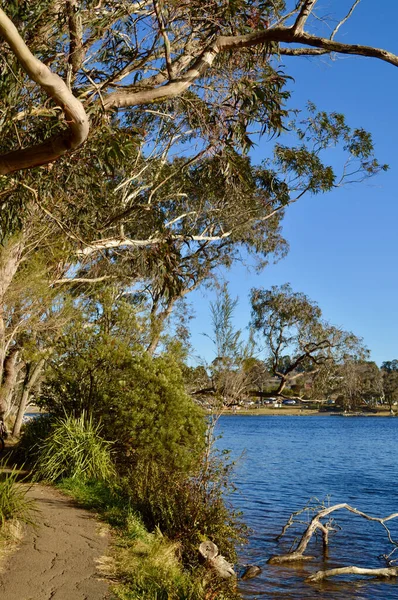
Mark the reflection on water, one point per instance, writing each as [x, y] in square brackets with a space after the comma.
[287, 461]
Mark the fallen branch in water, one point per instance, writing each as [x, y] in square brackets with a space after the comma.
[384, 573]
[316, 525]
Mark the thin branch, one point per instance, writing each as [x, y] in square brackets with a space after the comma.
[75, 280]
[348, 15]
[167, 46]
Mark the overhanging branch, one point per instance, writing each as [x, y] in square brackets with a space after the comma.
[55, 88]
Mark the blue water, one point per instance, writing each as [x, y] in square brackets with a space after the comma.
[282, 463]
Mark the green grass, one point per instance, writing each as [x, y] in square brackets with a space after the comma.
[13, 501]
[147, 565]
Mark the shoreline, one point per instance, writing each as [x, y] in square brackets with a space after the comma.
[297, 412]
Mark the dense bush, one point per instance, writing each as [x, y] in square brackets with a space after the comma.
[140, 401]
[74, 448]
[187, 509]
[33, 435]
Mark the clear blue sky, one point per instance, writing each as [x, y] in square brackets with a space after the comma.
[343, 245]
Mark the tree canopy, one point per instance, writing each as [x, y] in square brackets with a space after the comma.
[296, 338]
[208, 65]
[126, 128]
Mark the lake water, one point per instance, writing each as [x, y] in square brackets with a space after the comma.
[288, 460]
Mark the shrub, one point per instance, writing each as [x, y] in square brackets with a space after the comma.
[188, 509]
[74, 448]
[140, 400]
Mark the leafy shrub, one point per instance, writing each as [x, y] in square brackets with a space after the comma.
[189, 509]
[74, 448]
[13, 501]
[140, 400]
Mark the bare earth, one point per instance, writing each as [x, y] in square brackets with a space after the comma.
[57, 559]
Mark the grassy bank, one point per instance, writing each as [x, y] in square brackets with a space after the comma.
[159, 515]
[16, 510]
[144, 564]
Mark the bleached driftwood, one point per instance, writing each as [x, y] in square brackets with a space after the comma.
[315, 525]
[209, 551]
[387, 573]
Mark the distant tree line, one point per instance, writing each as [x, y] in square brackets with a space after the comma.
[291, 351]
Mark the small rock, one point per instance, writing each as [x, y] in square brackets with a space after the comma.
[251, 571]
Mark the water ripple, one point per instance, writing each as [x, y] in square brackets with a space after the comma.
[290, 459]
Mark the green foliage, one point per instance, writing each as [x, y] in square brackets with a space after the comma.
[148, 565]
[34, 433]
[105, 497]
[140, 401]
[74, 448]
[188, 509]
[296, 337]
[13, 501]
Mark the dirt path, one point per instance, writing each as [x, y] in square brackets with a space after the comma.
[57, 559]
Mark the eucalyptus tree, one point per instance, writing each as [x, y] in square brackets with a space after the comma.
[389, 370]
[206, 65]
[127, 125]
[289, 324]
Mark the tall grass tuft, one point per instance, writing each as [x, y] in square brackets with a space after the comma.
[74, 448]
[13, 501]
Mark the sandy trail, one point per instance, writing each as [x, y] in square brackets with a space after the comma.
[57, 559]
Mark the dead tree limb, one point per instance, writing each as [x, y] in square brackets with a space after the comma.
[325, 528]
[386, 573]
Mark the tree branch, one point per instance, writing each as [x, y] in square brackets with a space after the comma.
[384, 573]
[70, 281]
[305, 11]
[54, 86]
[298, 553]
[226, 43]
[113, 243]
[76, 51]
[348, 15]
[167, 46]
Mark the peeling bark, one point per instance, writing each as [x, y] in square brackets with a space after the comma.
[10, 257]
[10, 372]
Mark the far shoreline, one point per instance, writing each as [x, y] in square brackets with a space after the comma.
[290, 411]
